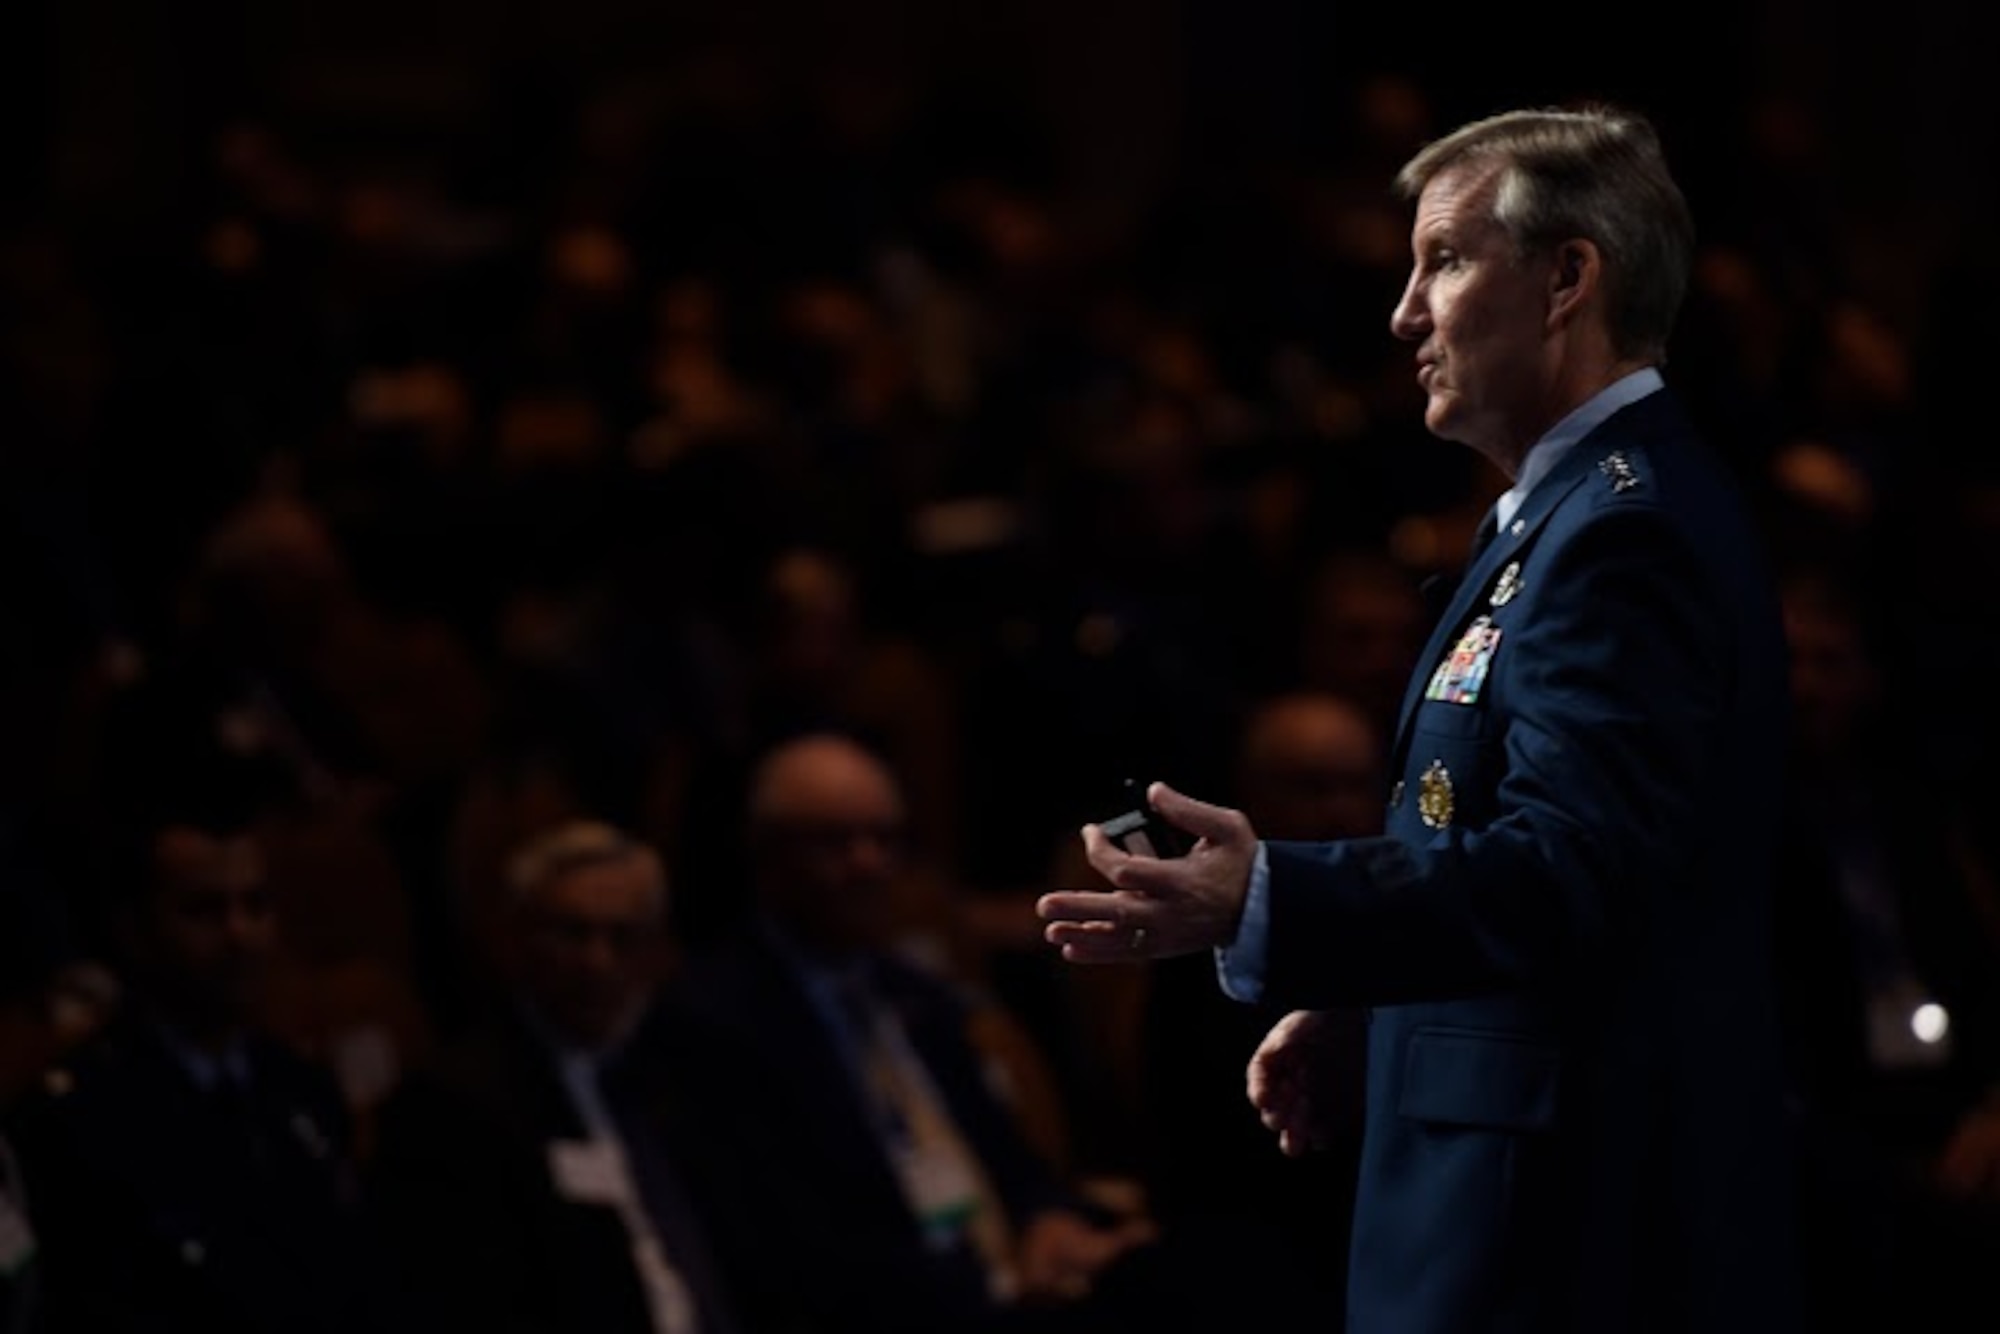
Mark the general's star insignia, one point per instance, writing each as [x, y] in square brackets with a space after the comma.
[1620, 470]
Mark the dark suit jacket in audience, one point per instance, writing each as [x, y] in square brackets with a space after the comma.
[840, 1229]
[162, 1205]
[495, 1236]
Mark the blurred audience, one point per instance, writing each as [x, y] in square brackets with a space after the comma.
[1310, 765]
[915, 1194]
[1891, 978]
[1362, 622]
[184, 1168]
[543, 1173]
[906, 1194]
[438, 470]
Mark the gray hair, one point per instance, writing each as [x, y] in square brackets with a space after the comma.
[1594, 172]
[572, 846]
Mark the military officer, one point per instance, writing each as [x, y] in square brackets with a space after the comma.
[1574, 1113]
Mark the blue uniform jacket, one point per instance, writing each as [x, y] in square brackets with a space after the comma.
[1574, 1113]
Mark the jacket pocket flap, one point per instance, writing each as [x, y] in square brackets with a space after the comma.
[1462, 1077]
[1440, 718]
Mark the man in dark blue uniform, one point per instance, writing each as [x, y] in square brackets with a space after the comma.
[1574, 1113]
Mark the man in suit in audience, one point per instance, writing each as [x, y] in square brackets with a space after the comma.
[185, 1170]
[904, 1195]
[545, 1173]
[1308, 766]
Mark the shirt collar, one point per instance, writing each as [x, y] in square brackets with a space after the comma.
[568, 1052]
[209, 1068]
[1563, 436]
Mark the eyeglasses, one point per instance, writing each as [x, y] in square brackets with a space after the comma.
[623, 935]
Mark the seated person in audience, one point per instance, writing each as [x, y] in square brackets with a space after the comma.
[545, 1173]
[1891, 987]
[900, 1191]
[185, 1170]
[1309, 765]
[904, 1195]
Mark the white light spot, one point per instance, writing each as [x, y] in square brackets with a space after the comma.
[1930, 1022]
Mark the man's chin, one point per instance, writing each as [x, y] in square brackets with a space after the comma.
[600, 1026]
[1439, 419]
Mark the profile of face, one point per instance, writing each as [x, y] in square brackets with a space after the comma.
[1479, 313]
[210, 929]
[590, 945]
[828, 829]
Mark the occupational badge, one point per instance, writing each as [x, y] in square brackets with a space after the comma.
[1434, 795]
[1507, 585]
[1459, 678]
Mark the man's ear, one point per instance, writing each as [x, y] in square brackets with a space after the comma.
[1573, 277]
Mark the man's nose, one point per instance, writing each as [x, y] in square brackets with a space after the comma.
[1408, 318]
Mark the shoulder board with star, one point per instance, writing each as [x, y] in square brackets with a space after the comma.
[1622, 471]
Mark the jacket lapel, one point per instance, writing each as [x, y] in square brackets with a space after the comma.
[1474, 585]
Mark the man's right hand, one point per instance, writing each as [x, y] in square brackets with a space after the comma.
[1157, 907]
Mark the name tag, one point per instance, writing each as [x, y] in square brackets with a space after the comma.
[941, 1189]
